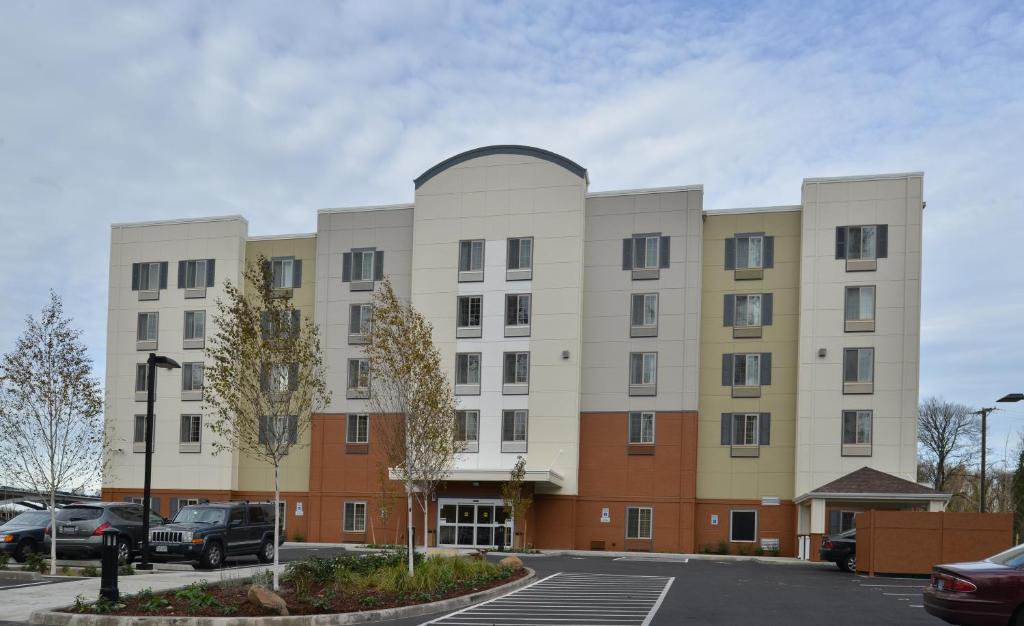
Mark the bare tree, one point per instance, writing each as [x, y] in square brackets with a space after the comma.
[947, 433]
[409, 389]
[266, 379]
[51, 425]
[516, 501]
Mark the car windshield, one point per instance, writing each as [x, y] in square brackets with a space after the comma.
[1014, 557]
[78, 513]
[31, 518]
[200, 515]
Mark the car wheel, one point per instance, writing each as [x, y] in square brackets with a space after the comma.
[124, 551]
[849, 564]
[25, 548]
[213, 557]
[266, 553]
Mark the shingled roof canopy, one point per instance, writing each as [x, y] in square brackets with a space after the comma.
[867, 481]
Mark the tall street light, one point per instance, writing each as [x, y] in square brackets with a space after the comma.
[152, 363]
[1010, 397]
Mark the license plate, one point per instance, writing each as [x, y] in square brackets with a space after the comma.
[68, 530]
[161, 548]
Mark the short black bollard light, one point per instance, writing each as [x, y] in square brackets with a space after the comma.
[108, 579]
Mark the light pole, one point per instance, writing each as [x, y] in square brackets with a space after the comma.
[152, 363]
[983, 412]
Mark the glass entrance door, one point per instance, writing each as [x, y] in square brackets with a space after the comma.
[473, 524]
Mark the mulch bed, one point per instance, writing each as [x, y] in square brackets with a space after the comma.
[318, 601]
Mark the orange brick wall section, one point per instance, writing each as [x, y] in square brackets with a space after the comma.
[776, 522]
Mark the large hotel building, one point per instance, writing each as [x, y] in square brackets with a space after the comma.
[675, 377]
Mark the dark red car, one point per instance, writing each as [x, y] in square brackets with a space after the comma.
[979, 593]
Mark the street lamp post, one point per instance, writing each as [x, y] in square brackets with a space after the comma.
[152, 363]
[1010, 397]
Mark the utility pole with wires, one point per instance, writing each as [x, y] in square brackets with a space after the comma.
[983, 412]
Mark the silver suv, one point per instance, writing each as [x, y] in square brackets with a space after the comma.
[80, 529]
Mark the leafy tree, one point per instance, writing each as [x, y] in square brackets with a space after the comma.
[409, 389]
[266, 379]
[517, 501]
[947, 434]
[51, 424]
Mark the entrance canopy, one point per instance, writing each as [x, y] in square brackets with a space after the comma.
[548, 477]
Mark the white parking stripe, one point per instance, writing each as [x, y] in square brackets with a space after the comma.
[570, 599]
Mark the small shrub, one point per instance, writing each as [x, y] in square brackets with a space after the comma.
[125, 569]
[197, 596]
[298, 537]
[90, 571]
[36, 563]
[758, 551]
[324, 601]
[80, 605]
[228, 610]
[723, 547]
[149, 602]
[65, 570]
[264, 578]
[104, 606]
[4, 560]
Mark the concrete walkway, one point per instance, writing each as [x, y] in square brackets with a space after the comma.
[16, 604]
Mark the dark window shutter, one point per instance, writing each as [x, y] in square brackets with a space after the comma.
[135, 276]
[627, 254]
[637, 313]
[173, 507]
[265, 324]
[840, 242]
[210, 265]
[268, 273]
[727, 370]
[181, 274]
[263, 429]
[767, 302]
[729, 310]
[163, 274]
[730, 253]
[346, 267]
[511, 310]
[154, 505]
[350, 428]
[293, 429]
[726, 429]
[663, 253]
[882, 242]
[378, 265]
[293, 376]
[296, 273]
[769, 252]
[766, 368]
[764, 429]
[265, 377]
[834, 522]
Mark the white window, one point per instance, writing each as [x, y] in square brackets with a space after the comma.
[192, 376]
[140, 428]
[520, 253]
[644, 310]
[517, 309]
[355, 517]
[749, 251]
[362, 265]
[277, 429]
[191, 428]
[360, 316]
[467, 369]
[860, 304]
[645, 251]
[195, 324]
[147, 329]
[358, 374]
[746, 370]
[149, 276]
[358, 428]
[748, 310]
[641, 427]
[471, 256]
[858, 365]
[183, 502]
[517, 368]
[195, 274]
[470, 311]
[639, 522]
[513, 425]
[742, 526]
[860, 242]
[280, 377]
[467, 426]
[141, 370]
[282, 270]
[643, 368]
[856, 427]
[744, 429]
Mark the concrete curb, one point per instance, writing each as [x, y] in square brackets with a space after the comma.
[675, 556]
[18, 575]
[55, 618]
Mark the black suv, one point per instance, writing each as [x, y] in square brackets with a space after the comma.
[208, 533]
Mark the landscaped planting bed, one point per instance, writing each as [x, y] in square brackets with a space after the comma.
[317, 585]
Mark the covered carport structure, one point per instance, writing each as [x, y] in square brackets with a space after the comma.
[15, 496]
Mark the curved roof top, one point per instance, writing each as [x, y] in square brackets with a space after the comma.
[462, 157]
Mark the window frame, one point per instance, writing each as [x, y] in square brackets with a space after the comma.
[362, 428]
[282, 272]
[748, 238]
[192, 273]
[353, 528]
[146, 270]
[516, 385]
[191, 367]
[462, 429]
[747, 419]
[195, 429]
[644, 328]
[857, 415]
[860, 236]
[646, 238]
[515, 415]
[746, 297]
[746, 369]
[472, 245]
[518, 243]
[361, 254]
[642, 417]
[518, 329]
[464, 386]
[859, 364]
[188, 332]
[358, 391]
[732, 525]
[639, 510]
[154, 315]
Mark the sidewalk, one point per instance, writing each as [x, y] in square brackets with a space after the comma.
[18, 603]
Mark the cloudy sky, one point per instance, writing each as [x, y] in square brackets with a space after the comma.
[139, 111]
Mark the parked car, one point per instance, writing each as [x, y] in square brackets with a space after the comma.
[206, 534]
[24, 534]
[980, 592]
[80, 529]
[841, 549]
